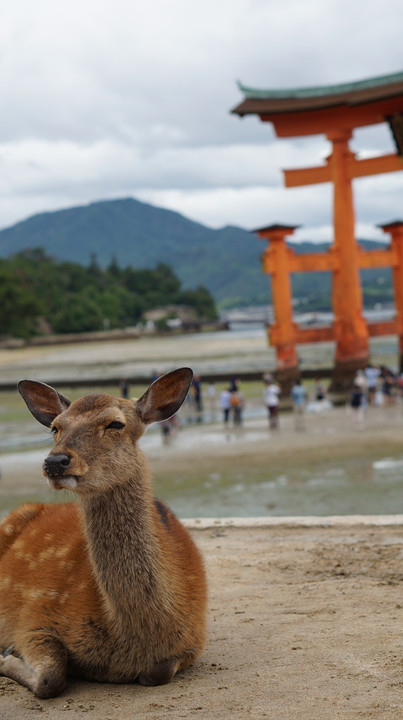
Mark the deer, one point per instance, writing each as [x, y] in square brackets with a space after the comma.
[110, 587]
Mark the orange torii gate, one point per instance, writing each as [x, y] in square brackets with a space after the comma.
[334, 111]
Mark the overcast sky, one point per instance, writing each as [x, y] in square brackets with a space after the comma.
[105, 99]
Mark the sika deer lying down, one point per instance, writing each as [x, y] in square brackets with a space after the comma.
[111, 588]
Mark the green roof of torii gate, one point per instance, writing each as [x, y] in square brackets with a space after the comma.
[312, 110]
[387, 90]
[322, 90]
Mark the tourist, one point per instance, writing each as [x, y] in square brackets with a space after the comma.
[388, 386]
[189, 408]
[225, 405]
[372, 374]
[320, 390]
[197, 397]
[298, 395]
[165, 426]
[169, 428]
[124, 388]
[357, 405]
[271, 395]
[361, 380]
[237, 405]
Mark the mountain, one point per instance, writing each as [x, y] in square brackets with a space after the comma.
[226, 261]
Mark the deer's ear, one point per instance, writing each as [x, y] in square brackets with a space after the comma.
[165, 396]
[44, 402]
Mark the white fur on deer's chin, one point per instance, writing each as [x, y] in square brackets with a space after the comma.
[68, 482]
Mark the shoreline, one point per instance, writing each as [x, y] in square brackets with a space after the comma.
[302, 521]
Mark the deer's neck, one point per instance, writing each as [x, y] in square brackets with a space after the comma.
[124, 549]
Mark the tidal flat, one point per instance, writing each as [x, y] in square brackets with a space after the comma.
[330, 468]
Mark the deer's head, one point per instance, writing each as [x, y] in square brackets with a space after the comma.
[95, 436]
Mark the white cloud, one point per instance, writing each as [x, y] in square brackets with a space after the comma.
[101, 100]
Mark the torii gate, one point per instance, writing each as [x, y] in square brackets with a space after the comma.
[334, 111]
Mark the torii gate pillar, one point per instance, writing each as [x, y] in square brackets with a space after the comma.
[350, 328]
[282, 334]
[395, 229]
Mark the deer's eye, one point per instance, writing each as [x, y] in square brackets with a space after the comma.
[115, 425]
[54, 430]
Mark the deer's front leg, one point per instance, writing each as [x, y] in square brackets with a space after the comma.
[43, 669]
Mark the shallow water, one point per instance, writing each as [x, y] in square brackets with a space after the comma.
[352, 485]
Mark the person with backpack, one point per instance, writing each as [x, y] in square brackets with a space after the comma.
[237, 403]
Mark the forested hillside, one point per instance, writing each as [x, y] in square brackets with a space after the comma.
[140, 235]
[132, 233]
[38, 293]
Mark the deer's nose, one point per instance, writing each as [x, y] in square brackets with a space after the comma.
[56, 465]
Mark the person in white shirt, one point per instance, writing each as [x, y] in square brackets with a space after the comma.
[298, 396]
[372, 377]
[225, 405]
[271, 394]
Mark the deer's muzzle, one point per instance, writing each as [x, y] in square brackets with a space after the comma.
[55, 466]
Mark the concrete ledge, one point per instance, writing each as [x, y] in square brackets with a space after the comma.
[308, 521]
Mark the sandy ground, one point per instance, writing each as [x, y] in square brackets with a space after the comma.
[304, 622]
[204, 352]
